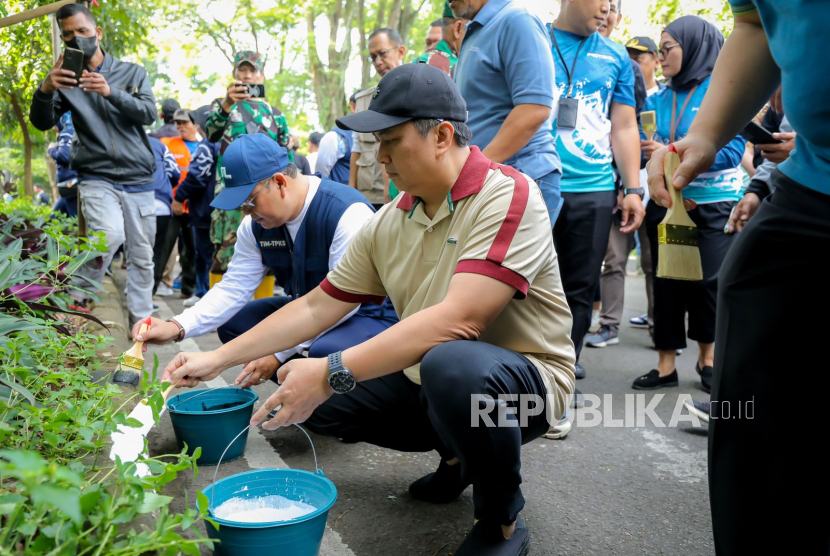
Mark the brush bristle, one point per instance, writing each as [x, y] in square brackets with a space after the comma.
[679, 262]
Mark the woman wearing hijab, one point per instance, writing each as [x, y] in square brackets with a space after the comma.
[689, 47]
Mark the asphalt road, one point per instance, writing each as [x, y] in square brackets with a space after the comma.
[602, 490]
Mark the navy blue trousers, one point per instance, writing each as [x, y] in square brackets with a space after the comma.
[393, 412]
[354, 331]
[203, 258]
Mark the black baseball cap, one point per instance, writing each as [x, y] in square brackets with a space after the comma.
[409, 92]
[642, 44]
[169, 107]
[200, 115]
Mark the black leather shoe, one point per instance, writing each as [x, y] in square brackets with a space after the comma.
[653, 380]
[441, 487]
[705, 377]
[579, 372]
[486, 539]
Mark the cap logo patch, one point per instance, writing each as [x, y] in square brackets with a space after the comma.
[223, 172]
[377, 92]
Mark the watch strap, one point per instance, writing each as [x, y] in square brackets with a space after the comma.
[637, 190]
[336, 362]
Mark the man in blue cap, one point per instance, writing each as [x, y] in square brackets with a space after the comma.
[299, 227]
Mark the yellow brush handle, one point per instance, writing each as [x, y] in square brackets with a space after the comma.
[167, 392]
[142, 329]
[676, 214]
[136, 350]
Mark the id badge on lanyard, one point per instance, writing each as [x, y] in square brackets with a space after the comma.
[568, 106]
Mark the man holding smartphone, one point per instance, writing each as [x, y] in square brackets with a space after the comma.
[239, 113]
[110, 105]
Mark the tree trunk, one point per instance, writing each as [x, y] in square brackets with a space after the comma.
[27, 146]
[365, 64]
[408, 18]
[394, 14]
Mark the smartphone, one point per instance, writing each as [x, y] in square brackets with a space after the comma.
[256, 91]
[73, 60]
[757, 135]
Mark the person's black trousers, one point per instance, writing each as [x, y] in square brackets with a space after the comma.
[395, 413]
[162, 223]
[674, 298]
[580, 236]
[186, 253]
[768, 482]
[202, 259]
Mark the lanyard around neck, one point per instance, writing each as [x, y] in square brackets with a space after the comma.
[674, 122]
[570, 73]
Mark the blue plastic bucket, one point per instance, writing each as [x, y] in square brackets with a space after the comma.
[296, 537]
[211, 421]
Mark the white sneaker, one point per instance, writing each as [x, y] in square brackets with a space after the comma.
[191, 301]
[594, 321]
[164, 290]
[560, 430]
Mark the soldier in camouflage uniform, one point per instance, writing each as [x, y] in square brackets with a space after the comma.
[239, 114]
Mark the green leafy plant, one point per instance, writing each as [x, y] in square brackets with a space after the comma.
[59, 491]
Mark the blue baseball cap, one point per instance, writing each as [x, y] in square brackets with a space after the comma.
[246, 162]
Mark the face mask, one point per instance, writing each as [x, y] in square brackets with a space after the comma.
[88, 45]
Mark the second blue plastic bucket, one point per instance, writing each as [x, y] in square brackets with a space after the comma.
[296, 537]
[211, 421]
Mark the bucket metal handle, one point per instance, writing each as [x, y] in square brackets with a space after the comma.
[209, 390]
[317, 469]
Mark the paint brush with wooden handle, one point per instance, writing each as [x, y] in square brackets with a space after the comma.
[134, 357]
[648, 120]
[678, 255]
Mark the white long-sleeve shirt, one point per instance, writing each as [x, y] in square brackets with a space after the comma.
[332, 149]
[246, 271]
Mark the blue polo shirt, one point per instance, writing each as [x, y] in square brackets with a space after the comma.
[505, 61]
[602, 75]
[786, 25]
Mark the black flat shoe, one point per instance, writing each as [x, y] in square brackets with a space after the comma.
[653, 380]
[441, 487]
[705, 377]
[486, 539]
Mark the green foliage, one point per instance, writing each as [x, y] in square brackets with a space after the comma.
[11, 159]
[59, 493]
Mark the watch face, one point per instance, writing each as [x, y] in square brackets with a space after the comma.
[342, 382]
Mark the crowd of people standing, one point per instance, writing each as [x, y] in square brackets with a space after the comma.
[540, 128]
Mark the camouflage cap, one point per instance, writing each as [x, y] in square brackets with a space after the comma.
[249, 56]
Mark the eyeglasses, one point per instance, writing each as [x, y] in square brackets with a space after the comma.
[249, 203]
[663, 51]
[382, 54]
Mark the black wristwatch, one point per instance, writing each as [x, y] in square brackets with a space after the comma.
[341, 379]
[638, 190]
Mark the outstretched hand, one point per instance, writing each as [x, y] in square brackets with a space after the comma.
[303, 387]
[696, 156]
[189, 369]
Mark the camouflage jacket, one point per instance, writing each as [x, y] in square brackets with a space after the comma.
[246, 117]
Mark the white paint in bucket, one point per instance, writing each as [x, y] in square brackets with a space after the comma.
[262, 509]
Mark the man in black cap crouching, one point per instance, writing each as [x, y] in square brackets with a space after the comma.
[467, 259]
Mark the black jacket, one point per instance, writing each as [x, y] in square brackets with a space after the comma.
[110, 141]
